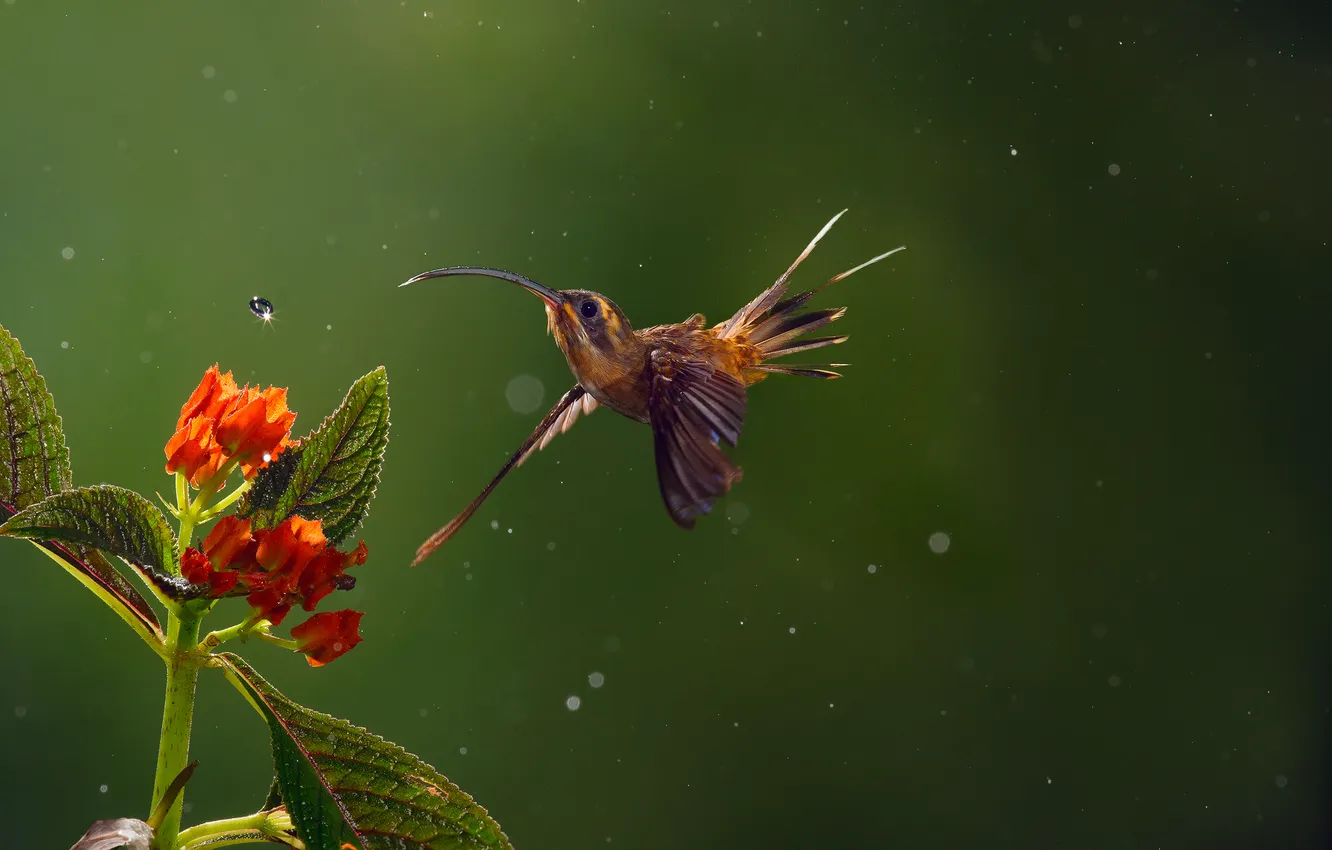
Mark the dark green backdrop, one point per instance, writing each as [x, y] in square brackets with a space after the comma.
[1097, 368]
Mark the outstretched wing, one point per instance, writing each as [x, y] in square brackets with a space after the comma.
[693, 407]
[562, 423]
[543, 434]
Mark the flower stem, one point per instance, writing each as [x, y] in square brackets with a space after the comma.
[177, 714]
[226, 502]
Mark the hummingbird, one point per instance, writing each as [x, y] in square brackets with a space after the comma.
[686, 380]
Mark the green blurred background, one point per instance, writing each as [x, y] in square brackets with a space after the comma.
[1097, 369]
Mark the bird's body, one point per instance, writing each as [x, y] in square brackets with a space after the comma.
[686, 380]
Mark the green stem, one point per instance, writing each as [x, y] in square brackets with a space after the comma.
[261, 827]
[177, 714]
[215, 828]
[227, 502]
[221, 636]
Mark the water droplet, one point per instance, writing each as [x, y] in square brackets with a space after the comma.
[208, 72]
[1012, 151]
[1114, 169]
[1074, 21]
[229, 95]
[1114, 681]
[716, 24]
[550, 547]
[1251, 62]
[20, 711]
[67, 252]
[422, 712]
[596, 680]
[791, 630]
[65, 344]
[1281, 780]
[462, 751]
[872, 568]
[572, 703]
[433, 213]
[102, 788]
[525, 393]
[737, 512]
[939, 542]
[146, 356]
[494, 525]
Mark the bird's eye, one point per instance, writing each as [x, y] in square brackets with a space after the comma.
[589, 309]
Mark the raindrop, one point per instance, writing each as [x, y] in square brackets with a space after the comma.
[524, 393]
[873, 568]
[1280, 780]
[422, 712]
[65, 344]
[737, 512]
[1074, 21]
[1114, 169]
[1115, 681]
[434, 213]
[596, 680]
[791, 630]
[229, 95]
[572, 703]
[102, 788]
[939, 542]
[462, 751]
[146, 356]
[20, 711]
[67, 252]
[209, 72]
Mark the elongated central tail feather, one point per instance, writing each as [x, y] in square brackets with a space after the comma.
[775, 327]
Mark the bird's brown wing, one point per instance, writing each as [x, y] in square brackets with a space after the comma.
[694, 407]
[586, 404]
[543, 434]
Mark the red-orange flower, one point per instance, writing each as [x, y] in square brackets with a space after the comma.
[197, 570]
[193, 451]
[220, 422]
[328, 635]
[324, 574]
[230, 542]
[214, 393]
[254, 429]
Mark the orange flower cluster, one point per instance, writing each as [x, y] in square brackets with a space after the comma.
[221, 422]
[277, 568]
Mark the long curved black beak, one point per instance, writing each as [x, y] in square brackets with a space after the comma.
[553, 297]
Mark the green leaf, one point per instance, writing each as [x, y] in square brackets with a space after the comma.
[34, 464]
[110, 518]
[342, 785]
[332, 474]
[32, 445]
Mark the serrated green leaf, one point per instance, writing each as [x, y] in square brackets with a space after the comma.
[34, 463]
[110, 518]
[333, 473]
[33, 455]
[345, 786]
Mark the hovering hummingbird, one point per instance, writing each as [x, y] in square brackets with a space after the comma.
[686, 380]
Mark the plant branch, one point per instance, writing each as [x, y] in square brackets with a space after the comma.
[177, 716]
[261, 827]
